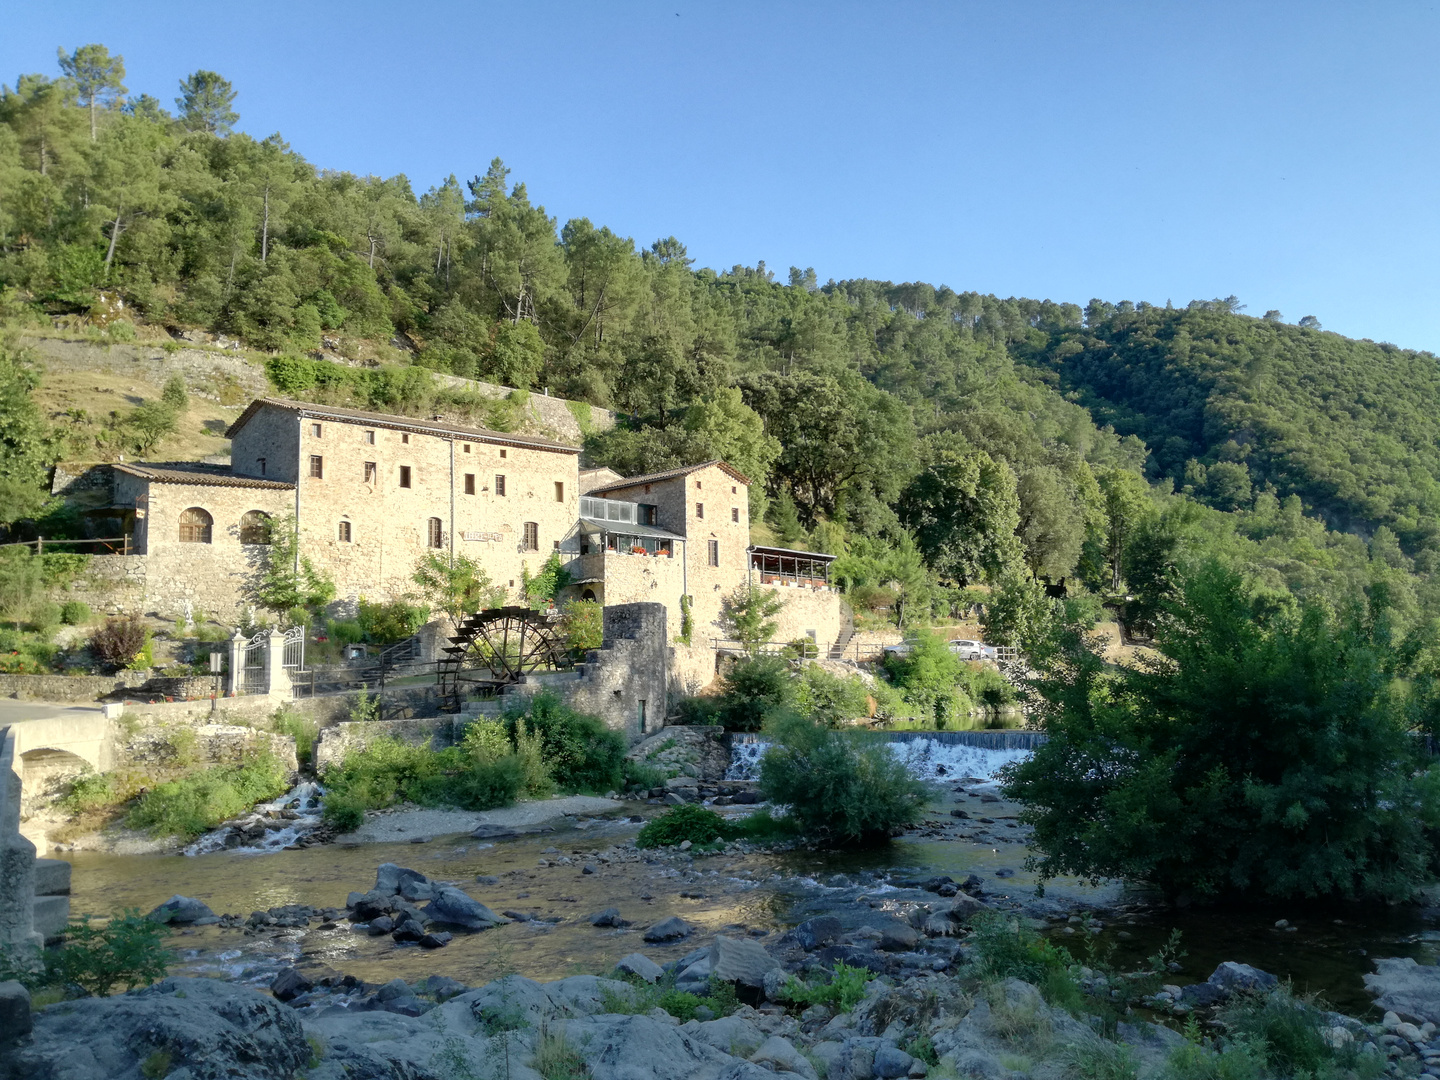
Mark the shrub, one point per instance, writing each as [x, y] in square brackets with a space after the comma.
[90, 791]
[391, 621]
[387, 770]
[582, 753]
[689, 822]
[74, 612]
[194, 804]
[698, 710]
[45, 616]
[345, 631]
[531, 752]
[1004, 949]
[119, 640]
[843, 988]
[582, 623]
[1236, 1059]
[486, 740]
[829, 699]
[125, 950]
[343, 813]
[837, 791]
[752, 689]
[555, 1058]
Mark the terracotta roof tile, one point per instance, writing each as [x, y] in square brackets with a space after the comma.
[194, 472]
[671, 474]
[391, 420]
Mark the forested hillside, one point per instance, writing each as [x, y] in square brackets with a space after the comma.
[938, 440]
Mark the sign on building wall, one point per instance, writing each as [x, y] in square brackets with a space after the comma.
[475, 535]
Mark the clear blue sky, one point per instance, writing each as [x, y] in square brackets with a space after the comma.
[1288, 153]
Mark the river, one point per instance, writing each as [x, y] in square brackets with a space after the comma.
[1328, 950]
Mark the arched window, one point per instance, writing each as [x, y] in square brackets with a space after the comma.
[436, 533]
[345, 532]
[588, 594]
[195, 526]
[254, 527]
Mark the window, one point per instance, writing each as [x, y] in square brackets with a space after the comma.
[588, 594]
[195, 526]
[316, 430]
[735, 514]
[467, 448]
[370, 471]
[697, 485]
[559, 491]
[345, 532]
[469, 483]
[405, 437]
[699, 510]
[647, 489]
[261, 462]
[370, 438]
[499, 484]
[714, 552]
[642, 716]
[733, 489]
[317, 466]
[649, 515]
[555, 544]
[435, 533]
[254, 527]
[503, 452]
[404, 475]
[532, 536]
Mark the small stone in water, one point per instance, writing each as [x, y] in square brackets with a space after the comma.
[1281, 924]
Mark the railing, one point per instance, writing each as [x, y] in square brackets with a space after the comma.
[108, 544]
[767, 648]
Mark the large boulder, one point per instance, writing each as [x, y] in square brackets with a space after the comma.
[15, 1019]
[197, 1028]
[1232, 977]
[741, 962]
[1410, 990]
[816, 933]
[641, 966]
[452, 907]
[666, 930]
[781, 1055]
[290, 984]
[389, 878]
[183, 911]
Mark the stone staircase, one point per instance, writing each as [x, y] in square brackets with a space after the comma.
[837, 651]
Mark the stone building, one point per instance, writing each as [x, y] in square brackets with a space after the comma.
[371, 494]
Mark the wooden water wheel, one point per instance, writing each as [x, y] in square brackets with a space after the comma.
[496, 647]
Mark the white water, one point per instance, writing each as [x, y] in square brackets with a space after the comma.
[303, 799]
[928, 759]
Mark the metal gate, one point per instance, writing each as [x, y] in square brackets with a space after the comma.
[253, 680]
[295, 648]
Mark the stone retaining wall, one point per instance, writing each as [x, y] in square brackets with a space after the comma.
[340, 739]
[70, 687]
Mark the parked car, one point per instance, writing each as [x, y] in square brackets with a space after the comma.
[967, 649]
[903, 649]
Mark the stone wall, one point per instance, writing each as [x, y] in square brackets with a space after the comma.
[336, 741]
[70, 687]
[624, 681]
[692, 669]
[807, 612]
[154, 744]
[17, 858]
[111, 584]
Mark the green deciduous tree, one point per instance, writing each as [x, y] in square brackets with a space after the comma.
[964, 511]
[457, 586]
[1266, 755]
[287, 580]
[748, 616]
